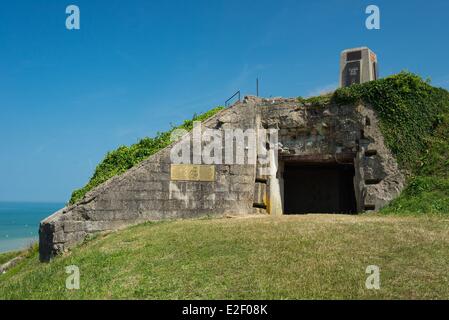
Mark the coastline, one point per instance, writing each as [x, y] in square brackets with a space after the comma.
[19, 223]
[16, 244]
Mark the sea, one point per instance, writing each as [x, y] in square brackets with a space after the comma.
[19, 223]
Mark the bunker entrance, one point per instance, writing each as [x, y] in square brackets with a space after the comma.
[319, 188]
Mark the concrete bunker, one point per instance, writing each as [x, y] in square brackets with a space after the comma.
[326, 158]
[323, 158]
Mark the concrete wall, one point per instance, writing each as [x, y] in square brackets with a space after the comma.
[146, 192]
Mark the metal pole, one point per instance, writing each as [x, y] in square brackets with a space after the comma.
[257, 86]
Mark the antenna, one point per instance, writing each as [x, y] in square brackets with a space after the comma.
[257, 86]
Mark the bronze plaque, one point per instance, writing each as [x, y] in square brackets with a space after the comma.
[192, 172]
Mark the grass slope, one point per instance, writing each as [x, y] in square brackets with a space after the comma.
[6, 256]
[289, 257]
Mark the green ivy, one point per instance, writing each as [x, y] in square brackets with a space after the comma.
[125, 157]
[317, 101]
[423, 195]
[413, 118]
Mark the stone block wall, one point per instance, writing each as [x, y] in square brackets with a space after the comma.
[146, 192]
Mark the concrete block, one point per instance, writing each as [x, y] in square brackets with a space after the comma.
[260, 193]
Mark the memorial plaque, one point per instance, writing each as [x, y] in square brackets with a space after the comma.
[352, 73]
[192, 172]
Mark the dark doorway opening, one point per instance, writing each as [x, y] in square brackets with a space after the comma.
[319, 188]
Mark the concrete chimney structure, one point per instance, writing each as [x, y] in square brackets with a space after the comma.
[357, 65]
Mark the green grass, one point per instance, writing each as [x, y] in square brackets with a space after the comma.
[288, 257]
[32, 250]
[122, 159]
[5, 257]
[317, 101]
[423, 195]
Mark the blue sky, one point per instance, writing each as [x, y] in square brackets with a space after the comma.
[134, 67]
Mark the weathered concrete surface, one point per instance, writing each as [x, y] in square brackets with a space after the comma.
[145, 192]
[383, 179]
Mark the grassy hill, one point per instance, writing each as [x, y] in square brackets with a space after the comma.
[5, 257]
[289, 257]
